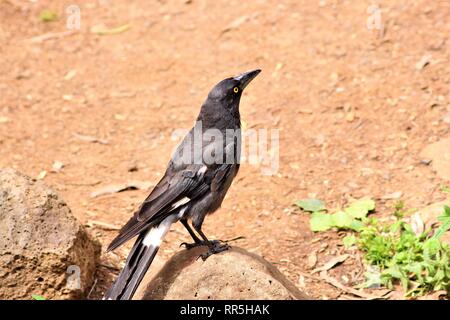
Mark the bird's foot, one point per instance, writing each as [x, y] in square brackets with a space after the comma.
[214, 247]
[199, 243]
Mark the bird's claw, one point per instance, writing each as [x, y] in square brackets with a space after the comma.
[216, 247]
[190, 245]
[210, 243]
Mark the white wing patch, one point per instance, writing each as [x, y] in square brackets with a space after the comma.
[180, 203]
[155, 235]
[202, 170]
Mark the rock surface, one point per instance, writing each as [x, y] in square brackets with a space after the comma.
[233, 274]
[43, 249]
[439, 154]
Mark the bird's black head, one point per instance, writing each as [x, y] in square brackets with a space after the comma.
[228, 91]
[221, 108]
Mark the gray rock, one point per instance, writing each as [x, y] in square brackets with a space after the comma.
[233, 274]
[43, 249]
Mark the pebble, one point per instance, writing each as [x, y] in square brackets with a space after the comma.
[446, 118]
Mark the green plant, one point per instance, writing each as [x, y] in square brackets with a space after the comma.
[350, 217]
[420, 263]
[400, 211]
[394, 253]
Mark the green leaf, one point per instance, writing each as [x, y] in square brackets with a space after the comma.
[360, 208]
[349, 241]
[445, 223]
[445, 189]
[48, 16]
[373, 280]
[320, 221]
[342, 220]
[311, 205]
[430, 248]
[356, 225]
[37, 297]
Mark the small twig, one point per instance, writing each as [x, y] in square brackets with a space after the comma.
[306, 275]
[116, 188]
[361, 266]
[332, 263]
[91, 184]
[102, 225]
[52, 35]
[89, 138]
[234, 239]
[92, 288]
[324, 276]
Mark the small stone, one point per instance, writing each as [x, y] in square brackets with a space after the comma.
[229, 224]
[423, 62]
[365, 172]
[57, 166]
[133, 167]
[70, 75]
[120, 117]
[4, 120]
[312, 260]
[350, 116]
[392, 196]
[42, 175]
[264, 213]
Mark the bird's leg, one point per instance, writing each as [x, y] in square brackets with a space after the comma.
[210, 243]
[214, 246]
[191, 232]
[197, 241]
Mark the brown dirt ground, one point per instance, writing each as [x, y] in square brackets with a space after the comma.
[352, 109]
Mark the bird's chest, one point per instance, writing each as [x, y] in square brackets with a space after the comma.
[218, 194]
[219, 147]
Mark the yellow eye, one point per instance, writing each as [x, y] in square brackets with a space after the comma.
[236, 89]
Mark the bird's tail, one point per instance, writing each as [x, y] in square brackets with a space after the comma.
[138, 262]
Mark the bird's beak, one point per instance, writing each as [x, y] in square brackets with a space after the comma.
[246, 77]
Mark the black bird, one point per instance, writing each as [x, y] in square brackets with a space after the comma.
[196, 180]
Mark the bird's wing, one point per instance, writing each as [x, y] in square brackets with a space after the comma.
[171, 192]
[174, 190]
[220, 176]
[181, 184]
